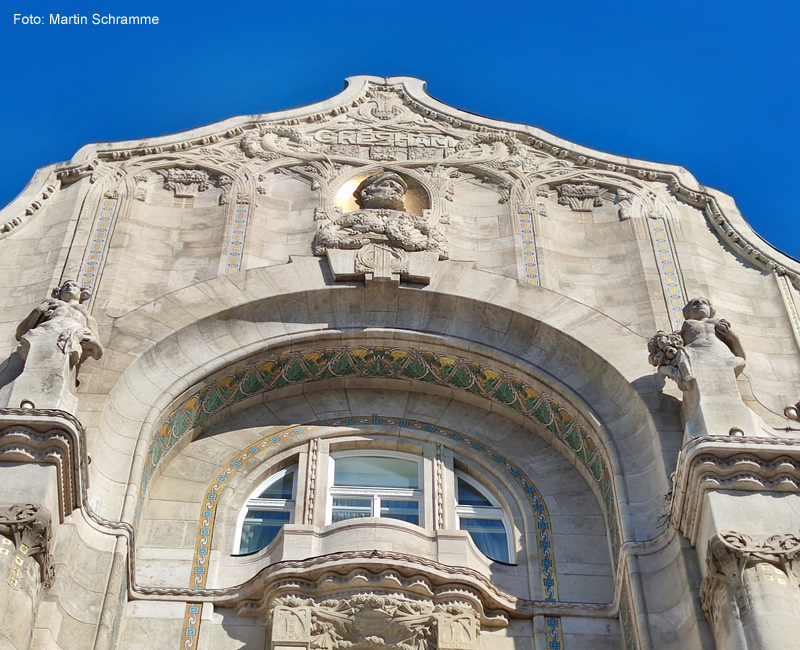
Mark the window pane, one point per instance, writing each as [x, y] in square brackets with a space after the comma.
[260, 528]
[469, 496]
[350, 509]
[280, 489]
[489, 536]
[402, 510]
[376, 471]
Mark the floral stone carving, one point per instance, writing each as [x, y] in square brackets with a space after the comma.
[704, 359]
[367, 621]
[390, 242]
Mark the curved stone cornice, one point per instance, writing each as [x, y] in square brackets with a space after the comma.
[747, 464]
[346, 581]
[290, 575]
[51, 437]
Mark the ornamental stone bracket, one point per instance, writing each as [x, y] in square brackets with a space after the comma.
[49, 437]
[704, 358]
[731, 463]
[750, 591]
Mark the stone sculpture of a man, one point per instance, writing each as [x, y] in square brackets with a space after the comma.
[55, 339]
[64, 321]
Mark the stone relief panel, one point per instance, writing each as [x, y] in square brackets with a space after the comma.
[368, 621]
[381, 240]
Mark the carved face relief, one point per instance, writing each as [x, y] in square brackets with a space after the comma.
[384, 191]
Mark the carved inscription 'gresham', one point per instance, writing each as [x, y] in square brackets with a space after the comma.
[392, 138]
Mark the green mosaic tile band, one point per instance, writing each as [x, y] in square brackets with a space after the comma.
[397, 363]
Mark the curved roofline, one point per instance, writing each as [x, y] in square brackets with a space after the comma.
[720, 208]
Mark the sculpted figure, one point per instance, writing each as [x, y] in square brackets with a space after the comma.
[63, 321]
[701, 338]
[382, 218]
[704, 359]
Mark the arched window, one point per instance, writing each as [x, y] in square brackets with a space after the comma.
[374, 484]
[483, 518]
[267, 510]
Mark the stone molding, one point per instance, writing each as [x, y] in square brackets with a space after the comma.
[28, 526]
[746, 464]
[444, 580]
[52, 437]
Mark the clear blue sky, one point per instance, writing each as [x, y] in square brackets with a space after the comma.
[712, 86]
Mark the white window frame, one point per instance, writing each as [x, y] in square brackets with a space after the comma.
[273, 505]
[377, 493]
[496, 511]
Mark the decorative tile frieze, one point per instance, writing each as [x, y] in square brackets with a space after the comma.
[236, 246]
[666, 261]
[530, 265]
[99, 242]
[790, 300]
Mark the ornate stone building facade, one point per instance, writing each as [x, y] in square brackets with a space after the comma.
[379, 373]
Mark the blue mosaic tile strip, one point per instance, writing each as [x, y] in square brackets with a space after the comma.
[99, 243]
[530, 264]
[236, 247]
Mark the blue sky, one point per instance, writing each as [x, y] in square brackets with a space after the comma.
[712, 86]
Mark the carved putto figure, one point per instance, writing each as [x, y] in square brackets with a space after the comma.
[381, 218]
[64, 322]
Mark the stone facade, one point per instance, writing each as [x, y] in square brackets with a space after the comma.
[568, 383]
